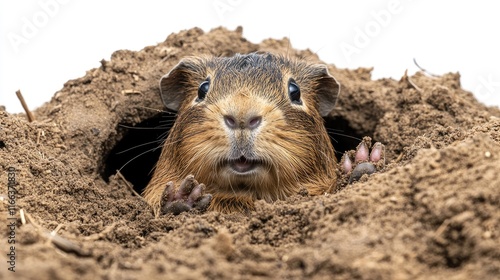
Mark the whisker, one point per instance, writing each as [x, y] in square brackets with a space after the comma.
[331, 137]
[345, 135]
[139, 155]
[143, 127]
[231, 186]
[334, 129]
[137, 146]
[167, 121]
[184, 137]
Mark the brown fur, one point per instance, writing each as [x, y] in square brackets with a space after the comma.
[291, 140]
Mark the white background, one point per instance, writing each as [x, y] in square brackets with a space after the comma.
[44, 43]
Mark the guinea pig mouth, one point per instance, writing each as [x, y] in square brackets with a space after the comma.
[243, 165]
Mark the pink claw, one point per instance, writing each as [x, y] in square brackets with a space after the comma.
[346, 163]
[377, 152]
[361, 153]
[366, 161]
[195, 194]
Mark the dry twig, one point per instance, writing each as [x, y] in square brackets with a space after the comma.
[442, 228]
[59, 241]
[129, 186]
[130, 91]
[102, 234]
[30, 116]
[23, 217]
[39, 135]
[407, 79]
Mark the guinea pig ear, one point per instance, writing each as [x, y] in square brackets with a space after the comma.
[175, 85]
[327, 90]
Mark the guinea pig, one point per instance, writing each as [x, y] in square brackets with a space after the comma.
[249, 127]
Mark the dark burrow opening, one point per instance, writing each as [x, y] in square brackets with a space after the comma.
[139, 149]
[136, 154]
[342, 135]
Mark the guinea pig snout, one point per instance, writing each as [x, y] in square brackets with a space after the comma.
[242, 131]
[251, 122]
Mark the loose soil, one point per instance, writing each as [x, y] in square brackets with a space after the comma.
[433, 212]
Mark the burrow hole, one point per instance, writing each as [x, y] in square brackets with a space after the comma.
[136, 154]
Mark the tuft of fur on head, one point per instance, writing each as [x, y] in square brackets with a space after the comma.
[291, 142]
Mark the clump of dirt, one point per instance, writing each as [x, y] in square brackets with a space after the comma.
[433, 212]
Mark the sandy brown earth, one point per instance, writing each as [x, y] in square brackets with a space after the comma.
[432, 213]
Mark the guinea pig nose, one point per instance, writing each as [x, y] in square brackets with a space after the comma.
[254, 122]
[230, 122]
[250, 123]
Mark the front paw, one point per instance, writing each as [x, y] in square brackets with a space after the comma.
[365, 162]
[190, 195]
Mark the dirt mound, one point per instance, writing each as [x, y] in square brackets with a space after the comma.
[433, 212]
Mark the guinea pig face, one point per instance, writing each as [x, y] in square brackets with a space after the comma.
[248, 123]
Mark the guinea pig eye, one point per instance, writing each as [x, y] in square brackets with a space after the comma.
[294, 92]
[203, 90]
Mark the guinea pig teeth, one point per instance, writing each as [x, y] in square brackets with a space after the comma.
[244, 165]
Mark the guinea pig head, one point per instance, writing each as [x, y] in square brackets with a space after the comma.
[250, 125]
